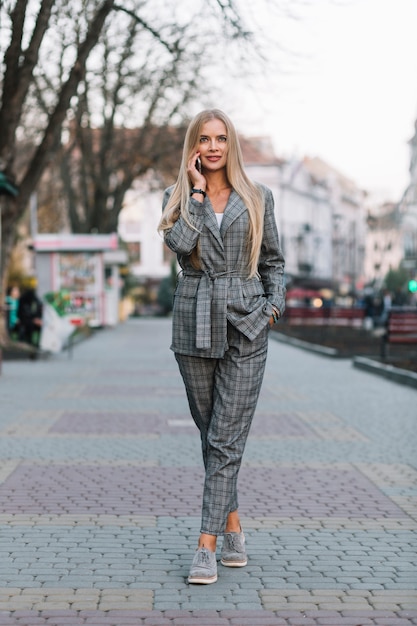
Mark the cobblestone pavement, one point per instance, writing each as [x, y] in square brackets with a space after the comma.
[101, 480]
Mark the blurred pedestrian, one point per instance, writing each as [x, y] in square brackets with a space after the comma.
[231, 290]
[12, 305]
[399, 298]
[369, 310]
[386, 305]
[30, 316]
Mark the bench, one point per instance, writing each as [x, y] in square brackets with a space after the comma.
[400, 328]
[324, 316]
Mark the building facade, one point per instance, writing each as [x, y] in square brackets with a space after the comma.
[392, 231]
[321, 217]
[408, 211]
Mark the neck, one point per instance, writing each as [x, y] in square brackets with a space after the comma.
[216, 181]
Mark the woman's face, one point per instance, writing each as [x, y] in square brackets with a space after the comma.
[213, 145]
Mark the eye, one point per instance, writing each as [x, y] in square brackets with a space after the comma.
[223, 138]
[203, 139]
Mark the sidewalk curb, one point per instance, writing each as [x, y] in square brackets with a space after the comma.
[305, 345]
[390, 372]
[387, 371]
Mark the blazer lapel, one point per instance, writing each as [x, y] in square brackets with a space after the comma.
[234, 208]
[211, 223]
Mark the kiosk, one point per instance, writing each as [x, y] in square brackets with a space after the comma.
[76, 270]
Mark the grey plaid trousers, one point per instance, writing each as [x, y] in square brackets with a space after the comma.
[222, 394]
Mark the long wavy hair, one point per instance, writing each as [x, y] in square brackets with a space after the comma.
[250, 193]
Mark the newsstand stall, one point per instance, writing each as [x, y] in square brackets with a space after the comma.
[71, 276]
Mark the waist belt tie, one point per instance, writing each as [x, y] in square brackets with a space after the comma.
[203, 304]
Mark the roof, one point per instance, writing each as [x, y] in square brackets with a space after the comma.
[258, 151]
[71, 243]
[322, 171]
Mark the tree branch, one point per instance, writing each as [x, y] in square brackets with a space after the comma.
[18, 75]
[52, 133]
[146, 26]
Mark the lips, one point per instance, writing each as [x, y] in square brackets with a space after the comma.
[213, 159]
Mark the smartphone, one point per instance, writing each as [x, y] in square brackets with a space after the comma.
[198, 165]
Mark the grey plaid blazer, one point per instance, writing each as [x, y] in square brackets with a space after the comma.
[206, 300]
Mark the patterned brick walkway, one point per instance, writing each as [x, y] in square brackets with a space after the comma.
[100, 493]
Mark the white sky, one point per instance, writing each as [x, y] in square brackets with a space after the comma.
[352, 97]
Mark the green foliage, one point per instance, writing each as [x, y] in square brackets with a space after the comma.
[166, 290]
[396, 280]
[59, 300]
[166, 295]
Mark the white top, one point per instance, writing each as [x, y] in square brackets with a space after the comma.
[219, 217]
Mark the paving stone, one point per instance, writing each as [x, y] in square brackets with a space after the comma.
[101, 478]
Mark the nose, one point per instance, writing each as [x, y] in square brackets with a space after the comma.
[213, 144]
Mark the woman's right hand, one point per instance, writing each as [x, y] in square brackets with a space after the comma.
[196, 177]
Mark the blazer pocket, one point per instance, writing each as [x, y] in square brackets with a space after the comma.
[253, 295]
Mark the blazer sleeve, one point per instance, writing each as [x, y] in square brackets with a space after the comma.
[271, 260]
[182, 238]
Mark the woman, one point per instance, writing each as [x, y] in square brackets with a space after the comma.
[231, 289]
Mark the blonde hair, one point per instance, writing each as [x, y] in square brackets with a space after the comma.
[250, 193]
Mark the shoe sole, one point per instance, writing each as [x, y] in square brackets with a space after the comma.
[234, 563]
[202, 581]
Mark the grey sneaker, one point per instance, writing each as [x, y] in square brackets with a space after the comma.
[203, 569]
[233, 550]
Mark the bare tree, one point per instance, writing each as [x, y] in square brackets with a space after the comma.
[27, 31]
[99, 164]
[142, 82]
[57, 58]
[25, 27]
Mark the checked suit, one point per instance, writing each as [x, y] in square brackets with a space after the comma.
[220, 335]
